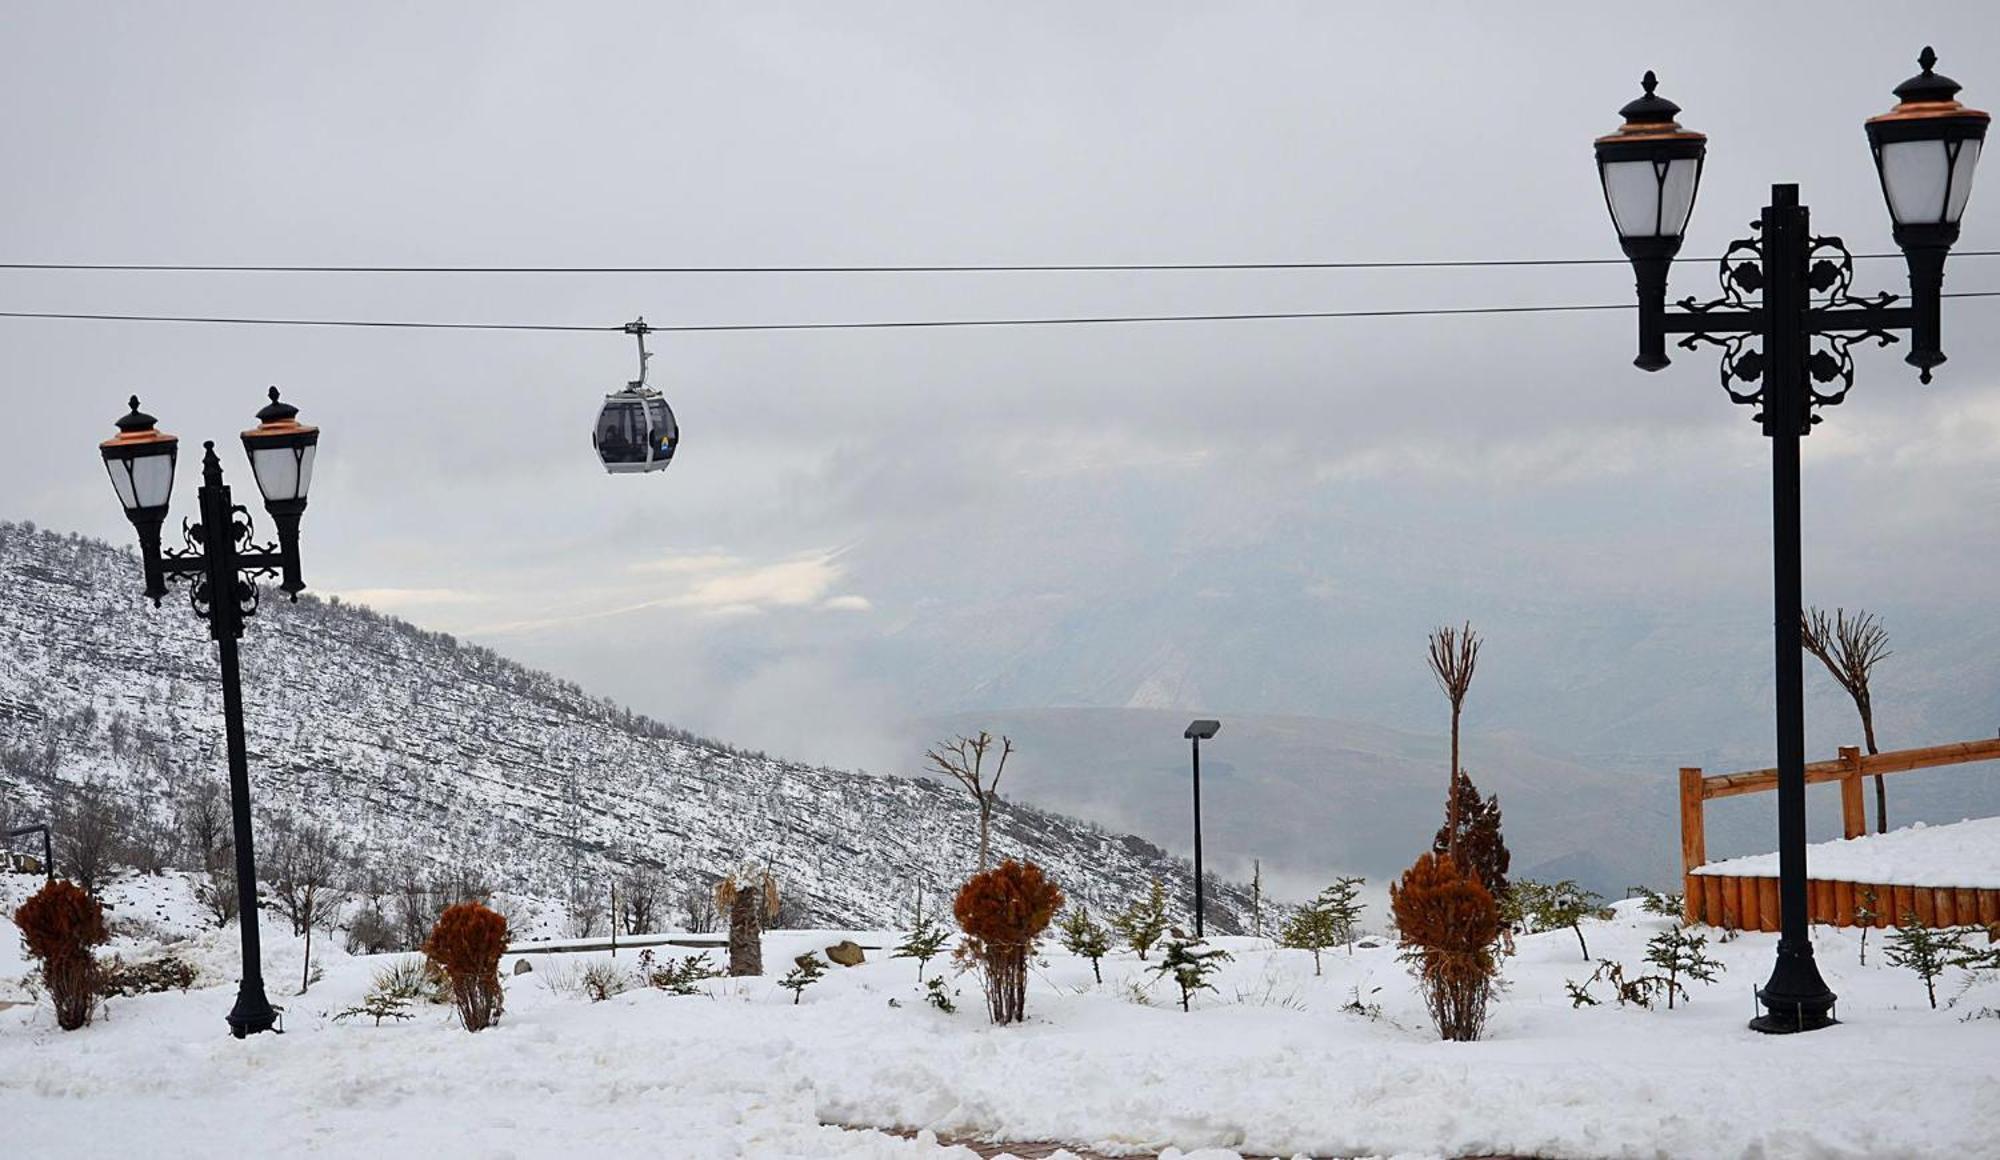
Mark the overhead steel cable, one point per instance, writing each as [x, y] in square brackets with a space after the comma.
[973, 268]
[883, 324]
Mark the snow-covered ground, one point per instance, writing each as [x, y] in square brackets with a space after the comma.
[1270, 1064]
[1959, 854]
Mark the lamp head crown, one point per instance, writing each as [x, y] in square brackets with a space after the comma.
[275, 411]
[136, 421]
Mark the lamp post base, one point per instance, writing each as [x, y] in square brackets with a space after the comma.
[1796, 999]
[253, 1013]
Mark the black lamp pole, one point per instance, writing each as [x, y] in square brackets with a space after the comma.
[1195, 733]
[1785, 324]
[221, 562]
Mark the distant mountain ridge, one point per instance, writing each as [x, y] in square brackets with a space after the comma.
[413, 745]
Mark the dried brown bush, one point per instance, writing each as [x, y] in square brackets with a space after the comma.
[466, 944]
[59, 926]
[1448, 922]
[1003, 911]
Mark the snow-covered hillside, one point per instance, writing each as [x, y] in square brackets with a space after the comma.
[419, 749]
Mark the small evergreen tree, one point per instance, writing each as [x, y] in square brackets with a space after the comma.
[1311, 929]
[1679, 953]
[1479, 845]
[1190, 964]
[1926, 951]
[1257, 897]
[1142, 923]
[923, 943]
[1865, 915]
[806, 970]
[1342, 901]
[1554, 905]
[1084, 938]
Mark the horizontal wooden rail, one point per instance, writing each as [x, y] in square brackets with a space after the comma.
[1895, 761]
[1696, 789]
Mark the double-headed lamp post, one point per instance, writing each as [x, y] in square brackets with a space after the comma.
[222, 562]
[1197, 732]
[1785, 324]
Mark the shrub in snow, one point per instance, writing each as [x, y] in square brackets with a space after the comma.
[1190, 963]
[1544, 906]
[676, 977]
[466, 944]
[1084, 938]
[410, 978]
[59, 926]
[1003, 911]
[1665, 905]
[939, 994]
[747, 897]
[806, 970]
[377, 1006]
[923, 943]
[1640, 990]
[149, 977]
[1926, 951]
[1679, 954]
[1142, 923]
[601, 980]
[1480, 845]
[1448, 923]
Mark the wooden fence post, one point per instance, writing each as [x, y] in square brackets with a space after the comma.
[1853, 815]
[1694, 844]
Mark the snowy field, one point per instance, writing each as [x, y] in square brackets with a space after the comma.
[1272, 1064]
[1959, 854]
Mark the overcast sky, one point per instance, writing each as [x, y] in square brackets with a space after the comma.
[864, 526]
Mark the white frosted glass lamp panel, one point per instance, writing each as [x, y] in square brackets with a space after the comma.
[1634, 193]
[1961, 180]
[277, 470]
[153, 478]
[121, 482]
[1914, 175]
[306, 469]
[1677, 196]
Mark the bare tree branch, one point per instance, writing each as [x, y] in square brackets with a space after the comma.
[1453, 656]
[963, 760]
[1850, 648]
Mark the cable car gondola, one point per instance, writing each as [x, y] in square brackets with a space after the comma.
[636, 430]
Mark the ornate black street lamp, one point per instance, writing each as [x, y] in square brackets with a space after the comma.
[1785, 322]
[1197, 732]
[222, 562]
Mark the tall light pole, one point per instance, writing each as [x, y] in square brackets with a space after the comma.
[1197, 732]
[1785, 323]
[221, 563]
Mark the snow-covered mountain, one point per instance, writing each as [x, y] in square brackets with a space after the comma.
[415, 746]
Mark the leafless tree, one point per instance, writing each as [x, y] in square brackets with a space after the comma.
[702, 913]
[216, 892]
[963, 760]
[89, 830]
[586, 912]
[306, 867]
[1850, 648]
[640, 895]
[203, 816]
[1454, 654]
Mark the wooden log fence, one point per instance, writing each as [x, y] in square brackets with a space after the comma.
[1751, 903]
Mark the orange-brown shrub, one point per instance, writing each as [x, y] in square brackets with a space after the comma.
[1447, 922]
[59, 925]
[466, 944]
[1003, 911]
